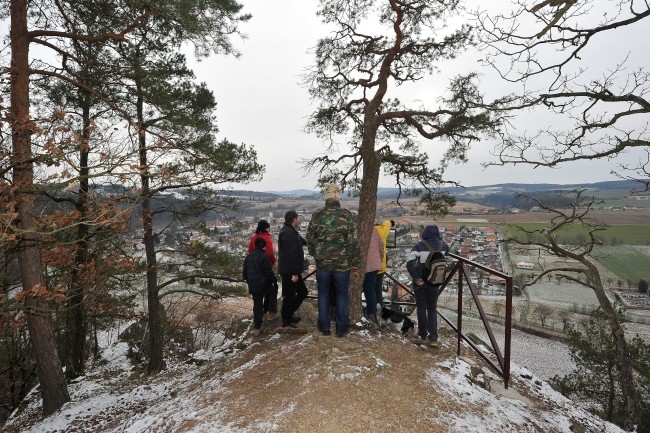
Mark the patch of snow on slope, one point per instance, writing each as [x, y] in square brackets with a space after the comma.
[454, 378]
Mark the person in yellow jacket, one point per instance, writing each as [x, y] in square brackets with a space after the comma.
[383, 229]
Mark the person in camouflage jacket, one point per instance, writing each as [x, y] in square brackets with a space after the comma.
[332, 241]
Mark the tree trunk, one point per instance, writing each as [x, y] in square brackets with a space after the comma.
[629, 389]
[76, 337]
[367, 212]
[156, 361]
[48, 365]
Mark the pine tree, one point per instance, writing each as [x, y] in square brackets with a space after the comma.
[596, 381]
[643, 286]
[376, 47]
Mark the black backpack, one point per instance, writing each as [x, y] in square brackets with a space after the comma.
[435, 268]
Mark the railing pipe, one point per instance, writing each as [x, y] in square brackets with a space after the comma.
[459, 318]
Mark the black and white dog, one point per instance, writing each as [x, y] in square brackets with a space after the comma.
[396, 320]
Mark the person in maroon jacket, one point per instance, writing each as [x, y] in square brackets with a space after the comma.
[270, 296]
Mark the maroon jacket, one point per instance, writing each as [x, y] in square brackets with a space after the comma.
[269, 245]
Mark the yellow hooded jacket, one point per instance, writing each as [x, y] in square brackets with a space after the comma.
[383, 229]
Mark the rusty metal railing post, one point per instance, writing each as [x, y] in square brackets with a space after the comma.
[459, 265]
[508, 336]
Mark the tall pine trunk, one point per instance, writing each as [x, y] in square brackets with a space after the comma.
[48, 364]
[367, 212]
[76, 325]
[369, 182]
[156, 361]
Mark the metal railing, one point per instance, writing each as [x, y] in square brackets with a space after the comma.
[460, 268]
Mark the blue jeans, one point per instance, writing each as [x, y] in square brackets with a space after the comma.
[369, 293]
[341, 282]
[426, 302]
[379, 283]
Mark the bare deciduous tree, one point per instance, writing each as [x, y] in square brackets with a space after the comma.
[542, 312]
[600, 103]
[581, 268]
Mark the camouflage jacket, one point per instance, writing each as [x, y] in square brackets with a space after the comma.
[332, 239]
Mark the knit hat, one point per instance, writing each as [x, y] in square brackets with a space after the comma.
[262, 226]
[290, 215]
[332, 191]
[260, 244]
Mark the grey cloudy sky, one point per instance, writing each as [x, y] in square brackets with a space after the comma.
[261, 103]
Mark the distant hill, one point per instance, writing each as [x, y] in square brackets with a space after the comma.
[391, 193]
[613, 185]
[499, 187]
[297, 193]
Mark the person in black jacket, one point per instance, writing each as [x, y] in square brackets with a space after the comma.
[258, 274]
[291, 263]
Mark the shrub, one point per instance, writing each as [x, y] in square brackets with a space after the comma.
[643, 286]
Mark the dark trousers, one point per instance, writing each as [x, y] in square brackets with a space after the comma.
[426, 302]
[369, 293]
[258, 309]
[292, 296]
[271, 299]
[332, 293]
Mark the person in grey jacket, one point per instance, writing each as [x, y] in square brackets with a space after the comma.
[291, 263]
[426, 295]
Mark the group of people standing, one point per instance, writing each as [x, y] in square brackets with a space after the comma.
[331, 240]
[259, 273]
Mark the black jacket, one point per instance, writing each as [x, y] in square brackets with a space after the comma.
[257, 271]
[291, 257]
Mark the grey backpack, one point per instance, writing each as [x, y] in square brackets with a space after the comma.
[434, 270]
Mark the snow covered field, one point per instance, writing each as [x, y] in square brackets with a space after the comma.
[569, 294]
[546, 358]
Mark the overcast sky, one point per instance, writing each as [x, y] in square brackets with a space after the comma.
[261, 103]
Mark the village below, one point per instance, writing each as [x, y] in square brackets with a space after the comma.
[475, 229]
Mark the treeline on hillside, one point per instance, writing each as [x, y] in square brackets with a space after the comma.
[251, 195]
[506, 191]
[503, 201]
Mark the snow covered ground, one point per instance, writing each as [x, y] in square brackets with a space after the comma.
[363, 382]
